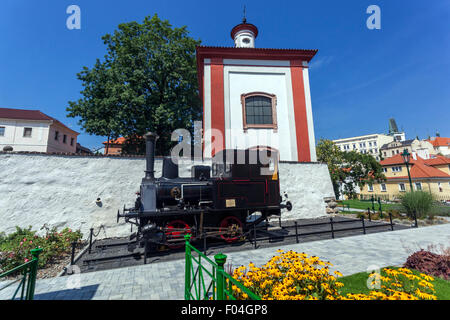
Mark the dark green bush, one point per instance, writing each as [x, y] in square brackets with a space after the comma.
[420, 202]
[15, 248]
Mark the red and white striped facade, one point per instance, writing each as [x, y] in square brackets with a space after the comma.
[227, 73]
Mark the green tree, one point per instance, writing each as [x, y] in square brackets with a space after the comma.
[99, 109]
[150, 80]
[348, 169]
[329, 153]
[360, 169]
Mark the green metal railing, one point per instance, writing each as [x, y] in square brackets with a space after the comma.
[28, 280]
[207, 280]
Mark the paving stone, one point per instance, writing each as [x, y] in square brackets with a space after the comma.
[165, 280]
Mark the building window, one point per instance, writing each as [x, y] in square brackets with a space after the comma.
[354, 146]
[259, 110]
[2, 131]
[401, 187]
[370, 144]
[370, 187]
[396, 169]
[56, 135]
[374, 143]
[439, 187]
[384, 169]
[383, 187]
[64, 138]
[27, 132]
[418, 186]
[71, 141]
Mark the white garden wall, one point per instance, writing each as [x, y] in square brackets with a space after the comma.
[61, 191]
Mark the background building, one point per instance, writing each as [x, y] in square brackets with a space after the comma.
[32, 130]
[431, 175]
[115, 146]
[367, 144]
[256, 97]
[371, 143]
[441, 145]
[421, 148]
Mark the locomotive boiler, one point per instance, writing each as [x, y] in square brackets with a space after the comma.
[216, 201]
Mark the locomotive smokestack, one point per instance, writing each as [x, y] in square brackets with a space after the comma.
[150, 140]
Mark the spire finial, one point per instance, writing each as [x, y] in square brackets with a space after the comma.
[244, 19]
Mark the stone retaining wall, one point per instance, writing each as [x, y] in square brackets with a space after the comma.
[62, 190]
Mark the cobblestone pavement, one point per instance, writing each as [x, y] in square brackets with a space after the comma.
[165, 280]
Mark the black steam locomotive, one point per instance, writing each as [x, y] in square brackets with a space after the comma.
[242, 183]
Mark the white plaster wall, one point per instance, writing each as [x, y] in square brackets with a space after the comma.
[273, 80]
[61, 190]
[14, 130]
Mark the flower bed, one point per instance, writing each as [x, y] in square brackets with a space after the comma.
[431, 263]
[15, 247]
[297, 276]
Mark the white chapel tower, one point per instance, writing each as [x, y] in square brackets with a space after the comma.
[256, 97]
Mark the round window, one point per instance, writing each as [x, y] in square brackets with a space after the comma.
[246, 40]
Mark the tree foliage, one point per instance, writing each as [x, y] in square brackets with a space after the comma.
[147, 82]
[348, 169]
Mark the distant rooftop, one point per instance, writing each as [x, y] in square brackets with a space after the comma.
[34, 115]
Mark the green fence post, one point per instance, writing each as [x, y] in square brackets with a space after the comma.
[33, 273]
[187, 272]
[220, 260]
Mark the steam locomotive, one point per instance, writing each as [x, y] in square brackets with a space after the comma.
[215, 202]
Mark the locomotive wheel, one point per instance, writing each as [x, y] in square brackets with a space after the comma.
[231, 229]
[176, 230]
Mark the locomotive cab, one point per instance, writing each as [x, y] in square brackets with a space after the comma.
[247, 179]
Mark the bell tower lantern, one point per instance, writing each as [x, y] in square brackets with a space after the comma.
[244, 35]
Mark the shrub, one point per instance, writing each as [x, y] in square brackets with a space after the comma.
[430, 263]
[420, 202]
[395, 213]
[15, 248]
[297, 276]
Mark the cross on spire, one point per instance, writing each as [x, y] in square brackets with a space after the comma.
[244, 19]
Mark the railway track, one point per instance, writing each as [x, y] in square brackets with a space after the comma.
[113, 252]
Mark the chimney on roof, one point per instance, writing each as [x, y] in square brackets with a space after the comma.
[438, 134]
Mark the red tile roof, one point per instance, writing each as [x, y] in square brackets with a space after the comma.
[420, 168]
[438, 160]
[22, 114]
[120, 140]
[397, 159]
[440, 141]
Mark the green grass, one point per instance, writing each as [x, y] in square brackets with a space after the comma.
[356, 283]
[437, 209]
[358, 204]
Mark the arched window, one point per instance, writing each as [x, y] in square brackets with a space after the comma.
[259, 110]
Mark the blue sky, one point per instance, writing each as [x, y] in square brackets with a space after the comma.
[359, 78]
